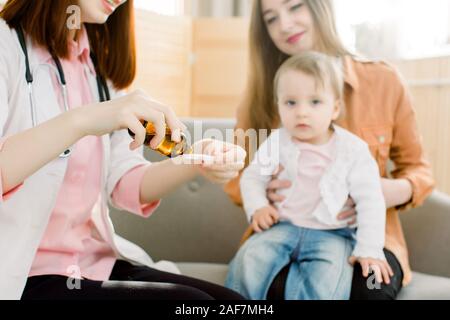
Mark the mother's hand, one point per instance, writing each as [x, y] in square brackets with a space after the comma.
[348, 212]
[275, 185]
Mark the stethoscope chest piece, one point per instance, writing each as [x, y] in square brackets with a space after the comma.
[66, 153]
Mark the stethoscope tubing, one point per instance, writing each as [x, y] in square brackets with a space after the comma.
[102, 86]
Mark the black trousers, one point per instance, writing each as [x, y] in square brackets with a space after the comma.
[127, 282]
[365, 289]
[362, 288]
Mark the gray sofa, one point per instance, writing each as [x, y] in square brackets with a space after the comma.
[200, 228]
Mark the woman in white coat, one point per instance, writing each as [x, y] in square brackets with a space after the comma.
[65, 154]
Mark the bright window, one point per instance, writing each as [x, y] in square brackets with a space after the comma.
[166, 7]
[395, 28]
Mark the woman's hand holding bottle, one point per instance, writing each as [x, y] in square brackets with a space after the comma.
[127, 112]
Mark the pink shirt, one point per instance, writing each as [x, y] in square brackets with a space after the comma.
[68, 247]
[312, 164]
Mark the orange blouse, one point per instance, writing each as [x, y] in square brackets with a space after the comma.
[378, 109]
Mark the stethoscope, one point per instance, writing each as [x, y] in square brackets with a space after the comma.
[103, 90]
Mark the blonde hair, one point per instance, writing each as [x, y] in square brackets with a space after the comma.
[266, 58]
[322, 68]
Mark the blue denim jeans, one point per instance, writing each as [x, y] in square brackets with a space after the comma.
[320, 268]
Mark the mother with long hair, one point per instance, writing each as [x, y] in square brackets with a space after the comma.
[378, 109]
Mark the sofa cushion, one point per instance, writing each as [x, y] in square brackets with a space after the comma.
[423, 286]
[426, 287]
[198, 223]
[212, 272]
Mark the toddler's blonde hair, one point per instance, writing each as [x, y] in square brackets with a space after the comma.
[324, 69]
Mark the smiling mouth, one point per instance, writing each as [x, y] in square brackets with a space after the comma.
[110, 5]
[295, 38]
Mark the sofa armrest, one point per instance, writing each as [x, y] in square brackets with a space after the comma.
[196, 223]
[427, 232]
